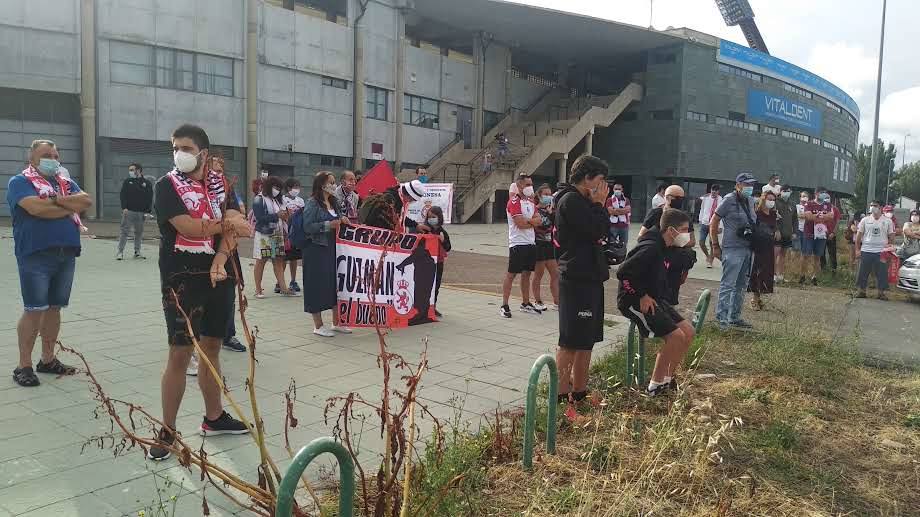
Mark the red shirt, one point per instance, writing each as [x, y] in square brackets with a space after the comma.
[819, 209]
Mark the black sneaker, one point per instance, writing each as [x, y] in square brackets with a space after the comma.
[802, 280]
[658, 390]
[294, 286]
[505, 311]
[742, 325]
[138, 256]
[438, 313]
[225, 424]
[158, 453]
[277, 289]
[233, 344]
[861, 294]
[530, 309]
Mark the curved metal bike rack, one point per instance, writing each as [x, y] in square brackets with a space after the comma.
[635, 356]
[530, 415]
[299, 465]
[702, 307]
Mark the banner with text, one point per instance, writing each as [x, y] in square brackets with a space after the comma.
[437, 194]
[402, 284]
[785, 112]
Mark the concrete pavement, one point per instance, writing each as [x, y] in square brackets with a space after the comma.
[477, 362]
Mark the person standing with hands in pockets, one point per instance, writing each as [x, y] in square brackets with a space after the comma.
[136, 202]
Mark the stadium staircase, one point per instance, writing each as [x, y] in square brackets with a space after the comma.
[552, 127]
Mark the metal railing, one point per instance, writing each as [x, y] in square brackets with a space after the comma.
[530, 416]
[299, 465]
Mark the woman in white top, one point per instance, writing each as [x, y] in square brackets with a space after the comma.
[268, 240]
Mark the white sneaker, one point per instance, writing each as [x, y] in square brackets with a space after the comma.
[530, 309]
[324, 331]
[119, 255]
[341, 330]
[192, 369]
[540, 306]
[555, 306]
[778, 279]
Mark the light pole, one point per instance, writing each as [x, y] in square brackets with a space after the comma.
[888, 183]
[878, 101]
[904, 150]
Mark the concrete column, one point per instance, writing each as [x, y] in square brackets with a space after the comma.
[589, 142]
[562, 165]
[252, 96]
[508, 79]
[358, 92]
[90, 182]
[488, 209]
[479, 59]
[400, 87]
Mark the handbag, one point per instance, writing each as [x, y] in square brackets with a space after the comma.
[908, 249]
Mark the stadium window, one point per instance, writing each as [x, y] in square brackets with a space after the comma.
[325, 161]
[130, 63]
[169, 68]
[338, 161]
[734, 115]
[422, 112]
[769, 130]
[214, 75]
[335, 83]
[797, 136]
[740, 72]
[662, 114]
[699, 117]
[721, 121]
[376, 103]
[795, 89]
[816, 141]
[833, 106]
[664, 59]
[833, 147]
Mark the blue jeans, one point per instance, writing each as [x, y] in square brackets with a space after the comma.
[704, 235]
[736, 272]
[45, 278]
[619, 233]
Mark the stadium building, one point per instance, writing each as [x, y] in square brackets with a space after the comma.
[298, 86]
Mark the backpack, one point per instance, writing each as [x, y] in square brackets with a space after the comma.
[296, 235]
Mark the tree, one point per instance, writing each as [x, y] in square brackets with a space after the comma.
[882, 171]
[908, 181]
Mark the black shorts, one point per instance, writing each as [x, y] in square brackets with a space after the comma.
[293, 254]
[209, 309]
[581, 313]
[522, 258]
[785, 243]
[545, 251]
[660, 324]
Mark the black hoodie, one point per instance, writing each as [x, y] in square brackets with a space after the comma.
[580, 227]
[643, 272]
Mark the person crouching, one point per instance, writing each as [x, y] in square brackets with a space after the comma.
[643, 296]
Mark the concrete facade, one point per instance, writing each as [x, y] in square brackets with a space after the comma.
[305, 72]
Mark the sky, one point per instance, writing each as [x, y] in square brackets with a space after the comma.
[836, 39]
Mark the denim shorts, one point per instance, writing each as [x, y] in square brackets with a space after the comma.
[45, 278]
[812, 247]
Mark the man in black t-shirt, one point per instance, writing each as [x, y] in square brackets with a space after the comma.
[679, 260]
[199, 221]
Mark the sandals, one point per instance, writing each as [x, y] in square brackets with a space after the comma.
[56, 367]
[25, 377]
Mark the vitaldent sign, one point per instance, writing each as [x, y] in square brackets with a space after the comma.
[786, 112]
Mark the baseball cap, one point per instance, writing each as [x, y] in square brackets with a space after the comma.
[746, 178]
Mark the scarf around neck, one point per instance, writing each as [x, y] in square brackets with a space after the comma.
[45, 190]
[202, 200]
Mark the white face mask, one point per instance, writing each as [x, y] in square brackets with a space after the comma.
[264, 175]
[785, 195]
[528, 191]
[915, 218]
[889, 215]
[294, 192]
[185, 162]
[330, 189]
[771, 204]
[875, 210]
[275, 192]
[681, 240]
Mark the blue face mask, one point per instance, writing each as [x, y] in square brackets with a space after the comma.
[825, 198]
[546, 200]
[433, 221]
[423, 179]
[747, 191]
[48, 165]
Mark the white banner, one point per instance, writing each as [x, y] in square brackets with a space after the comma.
[437, 194]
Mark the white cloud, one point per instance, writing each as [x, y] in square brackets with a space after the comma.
[846, 65]
[900, 114]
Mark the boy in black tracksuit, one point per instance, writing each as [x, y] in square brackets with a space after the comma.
[643, 296]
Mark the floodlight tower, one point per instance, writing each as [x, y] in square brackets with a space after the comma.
[739, 12]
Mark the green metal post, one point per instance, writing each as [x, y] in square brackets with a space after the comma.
[299, 465]
[530, 416]
[702, 307]
[630, 352]
[640, 368]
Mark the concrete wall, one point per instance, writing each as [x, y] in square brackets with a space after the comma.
[496, 72]
[524, 93]
[40, 45]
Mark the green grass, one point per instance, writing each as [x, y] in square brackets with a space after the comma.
[912, 421]
[777, 436]
[747, 394]
[464, 454]
[564, 500]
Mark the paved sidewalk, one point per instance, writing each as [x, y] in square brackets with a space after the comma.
[116, 320]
